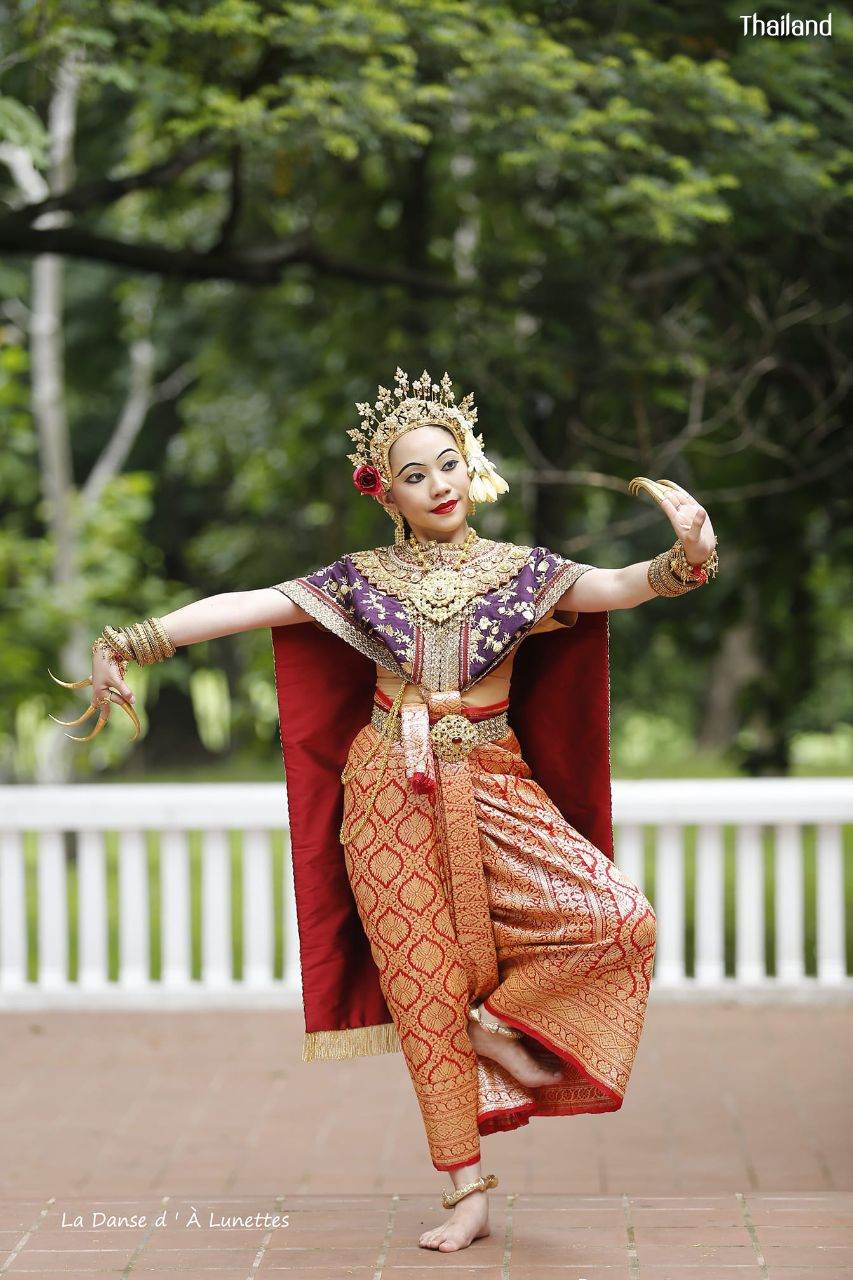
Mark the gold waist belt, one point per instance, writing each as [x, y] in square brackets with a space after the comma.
[452, 735]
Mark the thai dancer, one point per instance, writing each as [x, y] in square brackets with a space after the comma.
[449, 790]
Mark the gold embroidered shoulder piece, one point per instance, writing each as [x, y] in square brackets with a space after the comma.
[396, 573]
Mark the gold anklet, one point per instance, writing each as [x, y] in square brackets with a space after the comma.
[450, 1198]
[510, 1032]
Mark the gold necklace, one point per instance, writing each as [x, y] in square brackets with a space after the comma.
[436, 548]
[441, 593]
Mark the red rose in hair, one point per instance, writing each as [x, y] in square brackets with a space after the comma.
[367, 479]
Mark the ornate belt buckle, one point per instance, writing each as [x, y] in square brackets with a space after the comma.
[453, 736]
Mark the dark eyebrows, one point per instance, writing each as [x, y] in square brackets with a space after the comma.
[450, 449]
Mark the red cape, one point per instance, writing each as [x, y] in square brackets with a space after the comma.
[559, 707]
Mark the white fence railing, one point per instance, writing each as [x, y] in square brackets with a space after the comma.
[145, 899]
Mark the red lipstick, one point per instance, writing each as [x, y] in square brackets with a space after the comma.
[445, 507]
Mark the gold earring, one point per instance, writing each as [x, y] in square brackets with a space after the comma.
[399, 531]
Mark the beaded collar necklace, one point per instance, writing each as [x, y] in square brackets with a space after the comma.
[441, 592]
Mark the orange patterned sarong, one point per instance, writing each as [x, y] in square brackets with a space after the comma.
[573, 938]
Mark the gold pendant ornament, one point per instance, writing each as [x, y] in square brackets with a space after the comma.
[437, 580]
[440, 594]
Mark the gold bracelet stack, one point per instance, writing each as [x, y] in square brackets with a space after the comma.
[450, 1198]
[142, 643]
[672, 574]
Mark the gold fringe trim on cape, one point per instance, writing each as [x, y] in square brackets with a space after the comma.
[353, 1042]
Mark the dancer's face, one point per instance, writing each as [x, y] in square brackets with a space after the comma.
[428, 471]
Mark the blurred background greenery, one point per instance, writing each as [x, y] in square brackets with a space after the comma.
[624, 227]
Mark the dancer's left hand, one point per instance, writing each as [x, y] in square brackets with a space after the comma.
[691, 523]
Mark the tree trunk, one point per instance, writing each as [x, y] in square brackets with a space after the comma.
[735, 664]
[49, 411]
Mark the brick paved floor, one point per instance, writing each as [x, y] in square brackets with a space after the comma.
[732, 1155]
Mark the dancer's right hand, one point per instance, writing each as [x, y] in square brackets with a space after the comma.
[106, 673]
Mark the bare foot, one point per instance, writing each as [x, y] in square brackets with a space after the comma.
[510, 1054]
[468, 1221]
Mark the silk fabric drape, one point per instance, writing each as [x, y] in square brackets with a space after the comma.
[573, 938]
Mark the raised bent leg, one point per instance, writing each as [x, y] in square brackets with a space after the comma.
[575, 939]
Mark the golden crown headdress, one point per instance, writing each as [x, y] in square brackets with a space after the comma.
[426, 403]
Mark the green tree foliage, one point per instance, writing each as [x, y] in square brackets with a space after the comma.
[623, 227]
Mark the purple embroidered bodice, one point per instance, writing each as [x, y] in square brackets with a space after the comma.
[342, 598]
